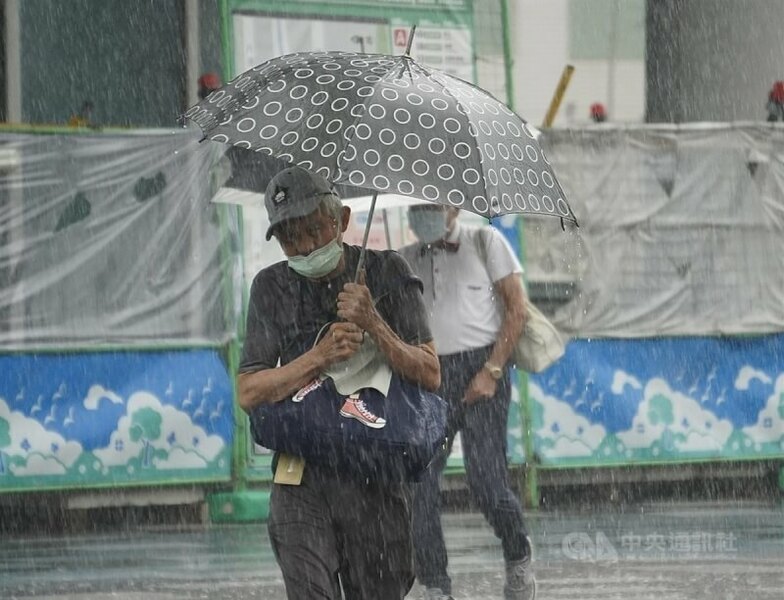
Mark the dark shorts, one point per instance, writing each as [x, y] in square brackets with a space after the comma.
[329, 533]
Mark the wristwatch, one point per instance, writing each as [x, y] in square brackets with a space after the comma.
[495, 371]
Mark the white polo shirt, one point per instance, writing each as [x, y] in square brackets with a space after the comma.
[465, 312]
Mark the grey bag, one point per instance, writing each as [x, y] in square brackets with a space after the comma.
[540, 344]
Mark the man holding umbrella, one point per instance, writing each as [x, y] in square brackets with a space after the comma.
[475, 298]
[327, 530]
[387, 124]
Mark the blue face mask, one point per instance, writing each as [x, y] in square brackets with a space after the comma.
[428, 225]
[318, 263]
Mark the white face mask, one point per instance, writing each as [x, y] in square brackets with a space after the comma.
[428, 225]
[318, 263]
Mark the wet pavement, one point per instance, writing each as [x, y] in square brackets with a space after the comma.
[689, 550]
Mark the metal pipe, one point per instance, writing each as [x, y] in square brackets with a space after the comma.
[508, 58]
[558, 95]
[192, 58]
[611, 57]
[13, 63]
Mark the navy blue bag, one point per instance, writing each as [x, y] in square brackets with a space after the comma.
[313, 428]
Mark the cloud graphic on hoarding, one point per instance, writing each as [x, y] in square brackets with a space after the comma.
[747, 375]
[176, 431]
[621, 379]
[180, 459]
[664, 409]
[770, 421]
[30, 438]
[39, 465]
[96, 393]
[699, 442]
[568, 448]
[571, 433]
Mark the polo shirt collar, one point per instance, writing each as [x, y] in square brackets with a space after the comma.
[454, 235]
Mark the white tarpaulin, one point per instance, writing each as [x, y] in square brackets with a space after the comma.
[112, 239]
[681, 230]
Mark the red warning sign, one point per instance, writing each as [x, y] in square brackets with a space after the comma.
[400, 37]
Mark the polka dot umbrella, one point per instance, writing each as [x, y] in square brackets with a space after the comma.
[389, 124]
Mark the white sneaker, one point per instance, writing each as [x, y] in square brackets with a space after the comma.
[520, 581]
[436, 594]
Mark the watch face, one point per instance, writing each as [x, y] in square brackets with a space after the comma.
[495, 372]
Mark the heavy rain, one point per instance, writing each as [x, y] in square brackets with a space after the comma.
[386, 299]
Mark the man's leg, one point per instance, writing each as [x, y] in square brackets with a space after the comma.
[484, 446]
[430, 556]
[303, 540]
[374, 539]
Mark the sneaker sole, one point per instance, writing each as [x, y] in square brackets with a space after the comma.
[366, 423]
[533, 591]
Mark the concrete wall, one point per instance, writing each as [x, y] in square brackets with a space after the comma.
[712, 60]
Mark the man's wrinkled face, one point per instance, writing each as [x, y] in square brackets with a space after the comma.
[301, 236]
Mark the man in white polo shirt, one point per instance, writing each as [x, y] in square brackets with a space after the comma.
[475, 299]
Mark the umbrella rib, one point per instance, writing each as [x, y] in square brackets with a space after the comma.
[465, 113]
[354, 130]
[243, 95]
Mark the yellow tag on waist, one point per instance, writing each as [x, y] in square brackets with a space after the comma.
[289, 470]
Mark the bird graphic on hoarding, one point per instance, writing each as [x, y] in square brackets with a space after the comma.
[69, 419]
[199, 412]
[59, 393]
[38, 406]
[50, 418]
[598, 403]
[217, 412]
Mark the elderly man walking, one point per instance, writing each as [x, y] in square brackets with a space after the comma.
[335, 537]
[474, 296]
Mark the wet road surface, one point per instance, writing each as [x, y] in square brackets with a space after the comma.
[689, 551]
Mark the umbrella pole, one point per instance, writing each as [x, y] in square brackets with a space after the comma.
[363, 251]
[386, 229]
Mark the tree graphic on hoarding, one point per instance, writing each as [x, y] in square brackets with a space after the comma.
[146, 426]
[660, 413]
[5, 440]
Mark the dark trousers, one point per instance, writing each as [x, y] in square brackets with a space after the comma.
[329, 533]
[483, 429]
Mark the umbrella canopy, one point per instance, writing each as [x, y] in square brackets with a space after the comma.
[252, 171]
[388, 124]
[358, 204]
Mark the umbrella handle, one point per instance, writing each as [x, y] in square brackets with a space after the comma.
[363, 251]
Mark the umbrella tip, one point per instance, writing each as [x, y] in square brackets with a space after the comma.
[410, 40]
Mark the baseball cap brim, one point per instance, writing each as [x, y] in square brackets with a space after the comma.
[299, 209]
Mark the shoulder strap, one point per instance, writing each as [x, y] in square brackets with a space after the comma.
[481, 241]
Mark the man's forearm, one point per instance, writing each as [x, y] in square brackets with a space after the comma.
[510, 331]
[510, 291]
[275, 385]
[418, 364]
